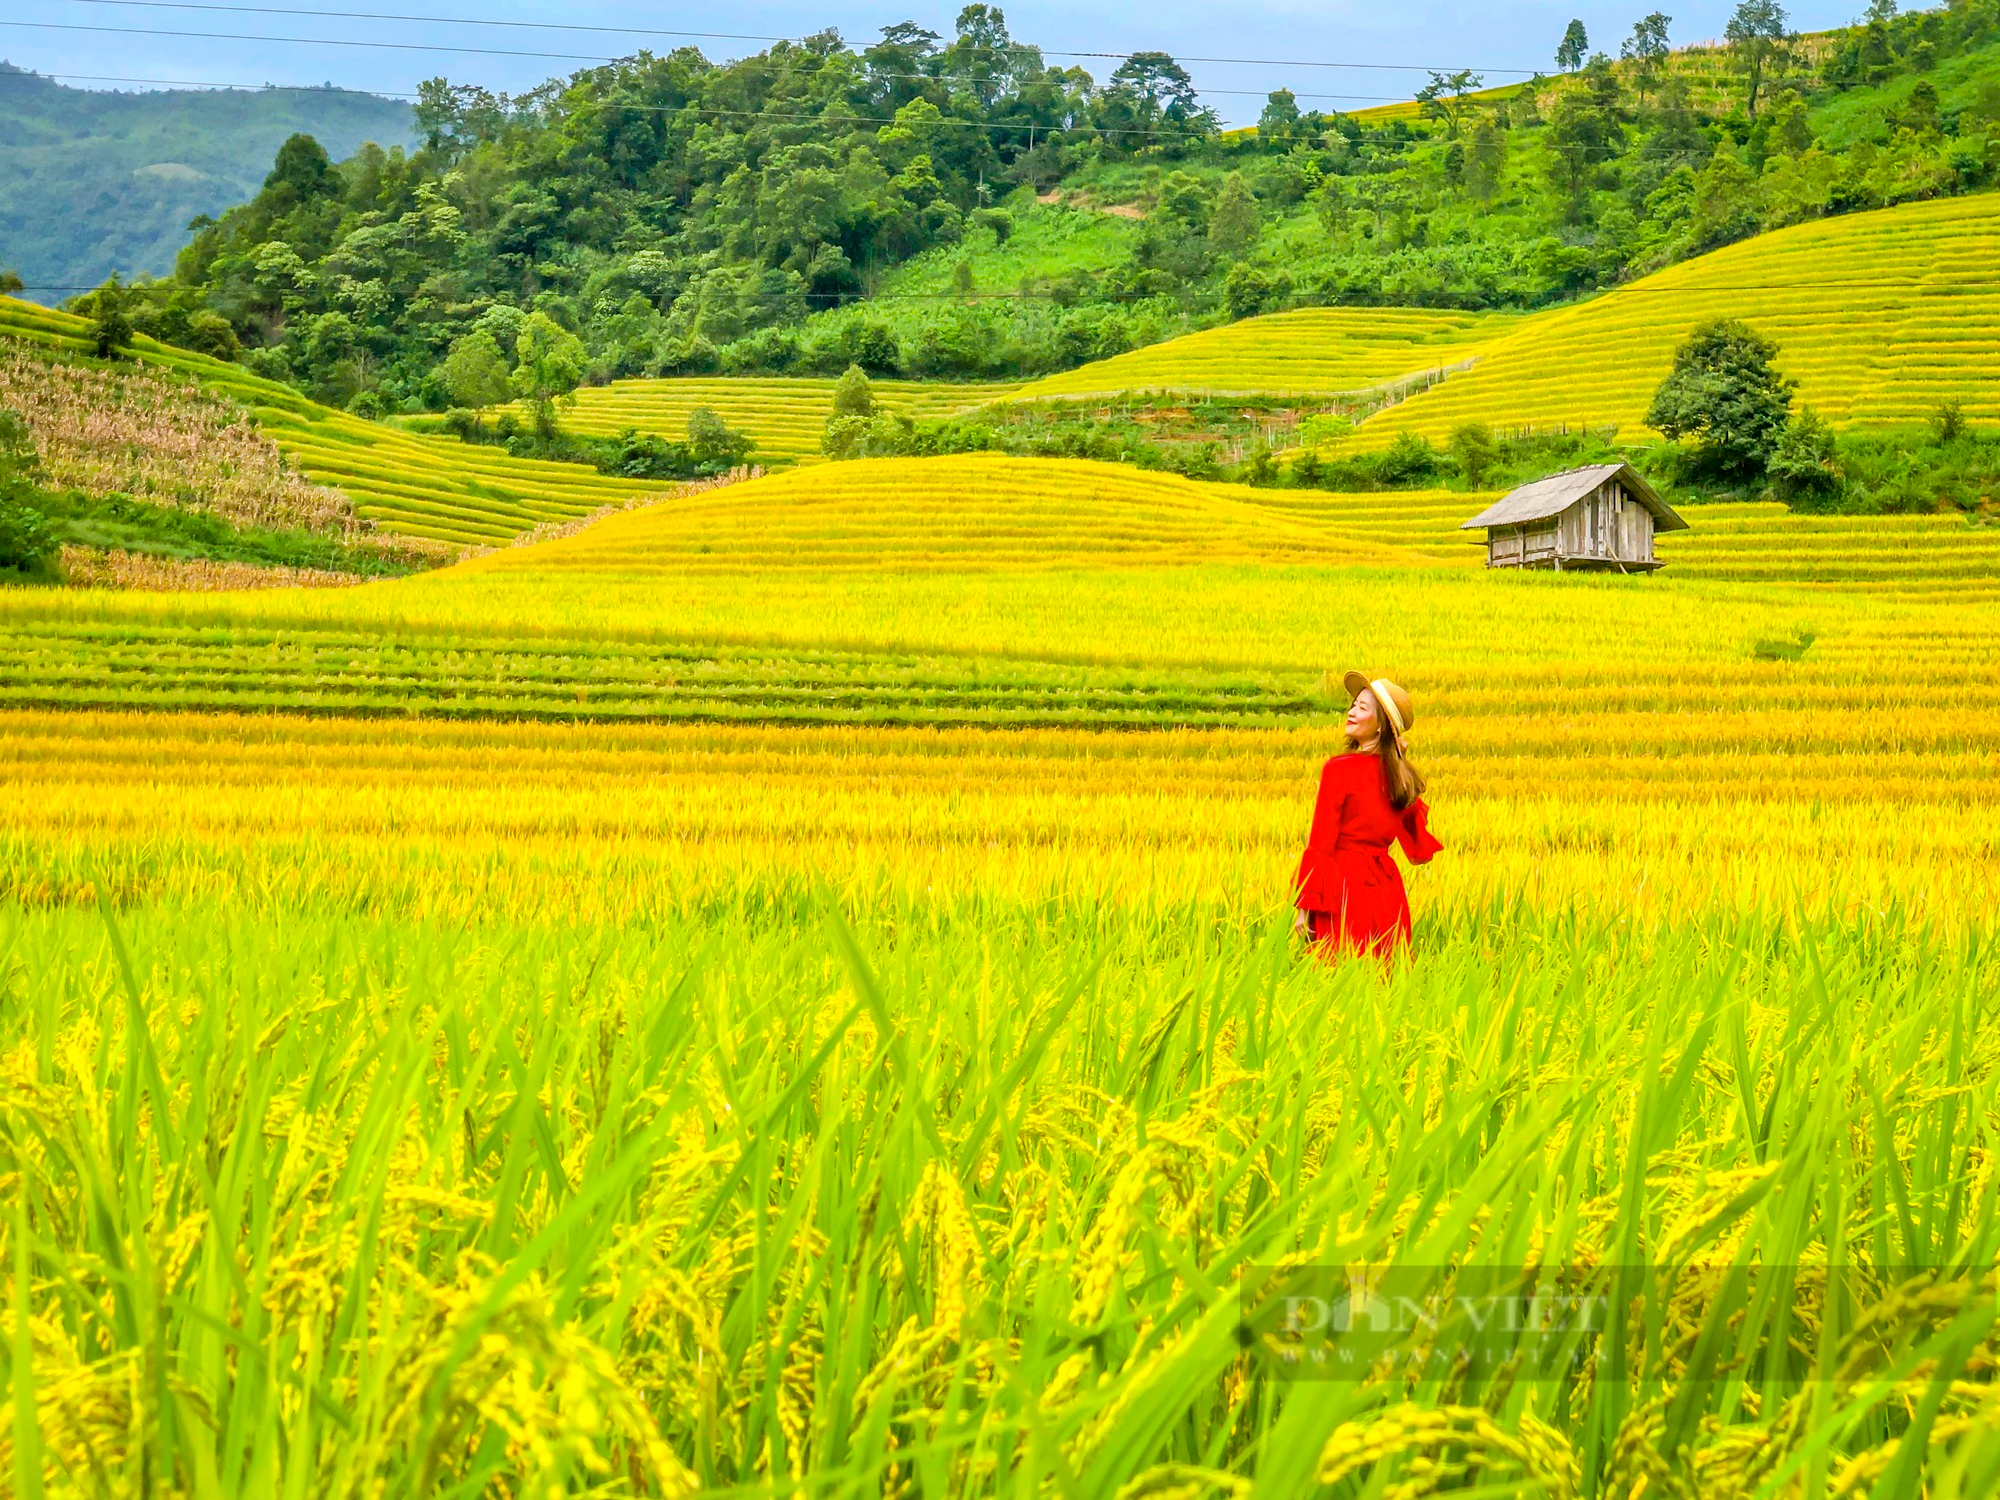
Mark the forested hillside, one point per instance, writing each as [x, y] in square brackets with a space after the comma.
[94, 182]
[960, 209]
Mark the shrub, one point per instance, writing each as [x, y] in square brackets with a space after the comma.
[1408, 459]
[996, 219]
[1473, 447]
[853, 396]
[1948, 424]
[711, 442]
[27, 545]
[1804, 466]
[844, 437]
[110, 328]
[211, 334]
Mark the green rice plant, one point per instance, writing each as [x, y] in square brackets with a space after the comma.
[339, 1204]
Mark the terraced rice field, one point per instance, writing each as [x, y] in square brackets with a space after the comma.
[783, 415]
[406, 483]
[1879, 317]
[1314, 350]
[792, 991]
[1908, 556]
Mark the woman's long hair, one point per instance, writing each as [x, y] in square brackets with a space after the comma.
[1399, 773]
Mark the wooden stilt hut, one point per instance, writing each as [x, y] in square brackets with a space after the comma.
[1601, 516]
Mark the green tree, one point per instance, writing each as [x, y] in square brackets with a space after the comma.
[1575, 47]
[1789, 130]
[1485, 159]
[853, 396]
[1583, 134]
[1647, 49]
[110, 326]
[1232, 223]
[712, 442]
[1919, 113]
[1727, 201]
[1444, 98]
[1725, 393]
[1756, 33]
[962, 281]
[475, 371]
[1278, 127]
[1473, 446]
[1185, 199]
[548, 366]
[10, 283]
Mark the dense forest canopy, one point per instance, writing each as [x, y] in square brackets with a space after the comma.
[938, 207]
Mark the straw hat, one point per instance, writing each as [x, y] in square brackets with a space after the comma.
[1387, 694]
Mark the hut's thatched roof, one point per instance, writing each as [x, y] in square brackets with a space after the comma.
[1541, 498]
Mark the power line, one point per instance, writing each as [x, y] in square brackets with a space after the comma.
[316, 88]
[356, 15]
[1163, 132]
[578, 57]
[307, 41]
[1634, 288]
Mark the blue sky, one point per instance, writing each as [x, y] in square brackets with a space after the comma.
[1417, 33]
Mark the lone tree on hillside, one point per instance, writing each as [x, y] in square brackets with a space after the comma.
[10, 283]
[1575, 47]
[853, 396]
[1646, 50]
[1724, 392]
[1757, 33]
[1443, 98]
[549, 365]
[475, 372]
[110, 328]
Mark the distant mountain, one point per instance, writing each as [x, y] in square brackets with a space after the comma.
[93, 181]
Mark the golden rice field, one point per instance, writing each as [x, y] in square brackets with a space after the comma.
[405, 482]
[1311, 350]
[1880, 317]
[782, 415]
[791, 992]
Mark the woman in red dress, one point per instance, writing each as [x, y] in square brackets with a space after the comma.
[1350, 893]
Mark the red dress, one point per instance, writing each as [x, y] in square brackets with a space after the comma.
[1348, 884]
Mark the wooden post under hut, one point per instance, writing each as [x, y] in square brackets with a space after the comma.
[1602, 516]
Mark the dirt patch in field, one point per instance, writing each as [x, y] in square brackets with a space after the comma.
[1083, 200]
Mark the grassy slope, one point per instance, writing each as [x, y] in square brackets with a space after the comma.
[1879, 316]
[1315, 349]
[1049, 241]
[783, 415]
[406, 483]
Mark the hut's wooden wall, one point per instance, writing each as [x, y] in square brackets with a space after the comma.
[1606, 525]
